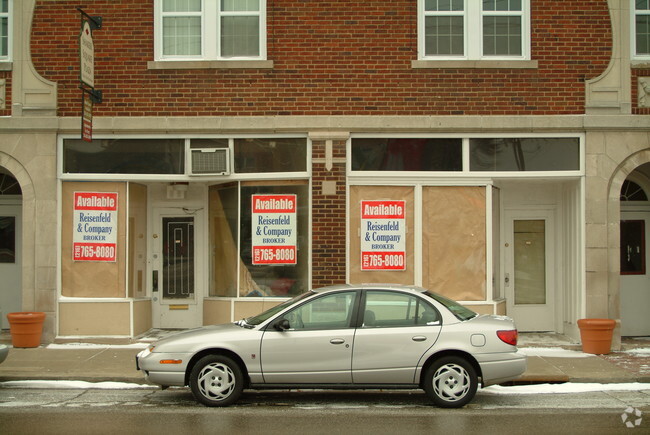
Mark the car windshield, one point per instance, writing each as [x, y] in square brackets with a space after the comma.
[461, 312]
[256, 320]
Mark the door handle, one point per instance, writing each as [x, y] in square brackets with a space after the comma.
[419, 338]
[337, 341]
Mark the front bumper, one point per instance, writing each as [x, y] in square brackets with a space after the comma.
[156, 372]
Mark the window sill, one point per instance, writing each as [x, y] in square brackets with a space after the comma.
[210, 64]
[640, 64]
[6, 66]
[488, 64]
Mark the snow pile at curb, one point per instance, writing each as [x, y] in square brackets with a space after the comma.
[566, 388]
[71, 385]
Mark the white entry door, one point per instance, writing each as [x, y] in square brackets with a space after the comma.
[529, 269]
[177, 270]
[635, 274]
[10, 261]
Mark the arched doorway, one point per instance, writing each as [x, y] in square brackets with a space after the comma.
[10, 246]
[634, 246]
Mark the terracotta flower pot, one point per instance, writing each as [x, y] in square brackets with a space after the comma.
[26, 328]
[596, 335]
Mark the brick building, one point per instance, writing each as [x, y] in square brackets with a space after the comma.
[513, 136]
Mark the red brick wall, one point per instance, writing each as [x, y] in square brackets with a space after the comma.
[328, 219]
[341, 57]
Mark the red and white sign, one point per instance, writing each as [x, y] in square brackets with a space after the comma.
[274, 227]
[383, 235]
[95, 226]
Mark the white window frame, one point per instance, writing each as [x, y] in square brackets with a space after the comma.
[211, 15]
[473, 41]
[633, 14]
[9, 15]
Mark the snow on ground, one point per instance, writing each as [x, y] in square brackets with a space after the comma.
[97, 346]
[555, 352]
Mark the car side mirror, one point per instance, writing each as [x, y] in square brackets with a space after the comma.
[282, 325]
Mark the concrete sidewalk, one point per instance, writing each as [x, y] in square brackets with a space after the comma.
[550, 359]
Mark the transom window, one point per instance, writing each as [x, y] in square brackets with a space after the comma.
[5, 29]
[641, 20]
[472, 30]
[210, 29]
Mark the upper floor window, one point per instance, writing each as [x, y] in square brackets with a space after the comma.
[210, 29]
[641, 19]
[5, 29]
[474, 30]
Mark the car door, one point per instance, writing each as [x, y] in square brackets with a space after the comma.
[397, 329]
[317, 346]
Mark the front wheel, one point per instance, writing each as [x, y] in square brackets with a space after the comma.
[216, 380]
[451, 382]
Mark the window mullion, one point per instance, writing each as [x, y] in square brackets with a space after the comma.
[473, 21]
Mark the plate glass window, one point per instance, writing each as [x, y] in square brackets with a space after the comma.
[642, 28]
[4, 29]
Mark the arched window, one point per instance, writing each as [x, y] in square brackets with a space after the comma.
[631, 191]
[9, 185]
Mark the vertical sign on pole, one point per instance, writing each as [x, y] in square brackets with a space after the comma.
[87, 77]
[383, 235]
[274, 227]
[95, 226]
[87, 118]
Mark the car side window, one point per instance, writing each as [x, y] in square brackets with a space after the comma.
[391, 309]
[333, 311]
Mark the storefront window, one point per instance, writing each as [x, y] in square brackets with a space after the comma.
[406, 154]
[524, 154]
[273, 274]
[270, 155]
[224, 232]
[124, 156]
[273, 247]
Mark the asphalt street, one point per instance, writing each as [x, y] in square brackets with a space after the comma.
[147, 410]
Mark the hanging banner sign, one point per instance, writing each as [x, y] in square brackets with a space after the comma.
[86, 55]
[383, 235]
[274, 229]
[95, 226]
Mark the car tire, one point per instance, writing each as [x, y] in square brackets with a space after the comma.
[451, 382]
[216, 380]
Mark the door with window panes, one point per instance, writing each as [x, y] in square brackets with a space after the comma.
[529, 281]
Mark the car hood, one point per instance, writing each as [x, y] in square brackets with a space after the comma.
[206, 336]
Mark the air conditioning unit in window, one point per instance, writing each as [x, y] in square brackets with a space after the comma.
[209, 161]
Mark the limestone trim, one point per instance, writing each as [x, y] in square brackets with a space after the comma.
[32, 95]
[610, 92]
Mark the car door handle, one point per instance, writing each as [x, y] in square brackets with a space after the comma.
[419, 338]
[337, 341]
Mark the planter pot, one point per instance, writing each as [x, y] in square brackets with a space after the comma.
[596, 335]
[26, 328]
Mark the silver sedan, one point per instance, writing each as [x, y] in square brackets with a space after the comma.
[346, 336]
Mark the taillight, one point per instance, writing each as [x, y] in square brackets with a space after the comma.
[508, 337]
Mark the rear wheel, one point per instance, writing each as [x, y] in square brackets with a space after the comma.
[216, 380]
[451, 382]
